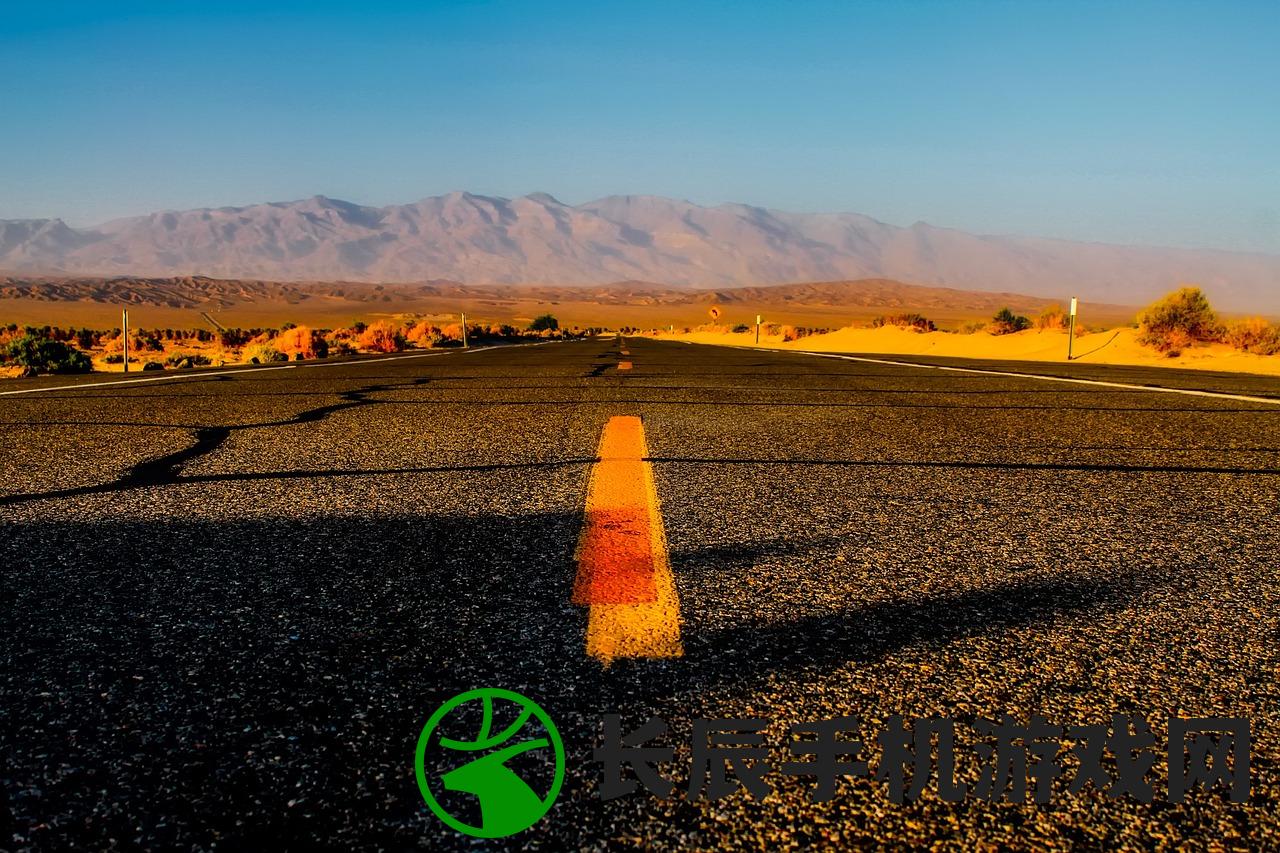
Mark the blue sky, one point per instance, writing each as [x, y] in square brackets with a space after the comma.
[1120, 122]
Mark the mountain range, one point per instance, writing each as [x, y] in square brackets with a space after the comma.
[536, 239]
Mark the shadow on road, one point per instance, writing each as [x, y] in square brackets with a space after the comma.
[263, 680]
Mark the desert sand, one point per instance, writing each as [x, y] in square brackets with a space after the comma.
[1115, 346]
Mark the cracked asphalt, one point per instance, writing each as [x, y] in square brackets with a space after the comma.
[231, 602]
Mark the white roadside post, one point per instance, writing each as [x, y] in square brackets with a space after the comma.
[757, 330]
[464, 329]
[124, 336]
[1071, 329]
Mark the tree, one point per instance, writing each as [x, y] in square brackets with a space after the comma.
[546, 322]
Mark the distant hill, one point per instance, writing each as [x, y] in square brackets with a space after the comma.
[829, 303]
[535, 238]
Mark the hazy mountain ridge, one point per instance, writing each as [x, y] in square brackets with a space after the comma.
[537, 239]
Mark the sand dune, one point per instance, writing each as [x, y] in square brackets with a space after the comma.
[1114, 346]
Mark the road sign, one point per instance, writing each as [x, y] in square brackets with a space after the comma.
[1075, 305]
[714, 312]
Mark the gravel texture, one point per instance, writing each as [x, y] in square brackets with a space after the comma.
[229, 604]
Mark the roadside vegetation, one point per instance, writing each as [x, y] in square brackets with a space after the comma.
[915, 322]
[1184, 319]
[1179, 320]
[1005, 322]
[32, 354]
[1053, 318]
[29, 350]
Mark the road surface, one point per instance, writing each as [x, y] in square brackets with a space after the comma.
[231, 600]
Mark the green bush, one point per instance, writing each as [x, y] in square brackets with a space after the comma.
[1005, 322]
[1178, 320]
[544, 323]
[42, 355]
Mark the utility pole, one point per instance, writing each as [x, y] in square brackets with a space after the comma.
[464, 329]
[757, 330]
[124, 336]
[1071, 329]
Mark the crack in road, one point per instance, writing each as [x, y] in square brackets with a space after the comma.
[166, 470]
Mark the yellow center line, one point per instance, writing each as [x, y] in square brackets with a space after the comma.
[624, 574]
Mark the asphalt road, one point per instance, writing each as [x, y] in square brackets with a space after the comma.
[231, 601]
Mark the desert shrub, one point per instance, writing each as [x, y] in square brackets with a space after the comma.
[422, 335]
[546, 322]
[1005, 322]
[44, 355]
[740, 328]
[907, 321]
[176, 359]
[300, 342]
[1174, 342]
[145, 342]
[1053, 318]
[1178, 320]
[232, 338]
[1254, 334]
[381, 337]
[261, 353]
[153, 365]
[114, 358]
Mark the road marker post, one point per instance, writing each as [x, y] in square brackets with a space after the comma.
[124, 336]
[1071, 329]
[757, 330]
[464, 329]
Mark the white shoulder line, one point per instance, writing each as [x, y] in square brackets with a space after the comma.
[172, 378]
[1160, 389]
[1219, 395]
